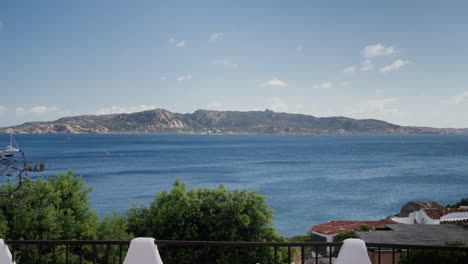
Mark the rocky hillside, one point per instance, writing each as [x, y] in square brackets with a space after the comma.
[218, 122]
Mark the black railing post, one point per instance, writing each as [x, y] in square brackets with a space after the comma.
[302, 255]
[13, 253]
[316, 254]
[120, 253]
[378, 256]
[80, 249]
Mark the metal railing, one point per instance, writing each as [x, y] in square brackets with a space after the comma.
[172, 251]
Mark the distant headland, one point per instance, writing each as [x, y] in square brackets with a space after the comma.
[220, 122]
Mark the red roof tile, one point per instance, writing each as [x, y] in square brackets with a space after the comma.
[454, 222]
[335, 227]
[437, 213]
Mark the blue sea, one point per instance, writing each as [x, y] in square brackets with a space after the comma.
[307, 179]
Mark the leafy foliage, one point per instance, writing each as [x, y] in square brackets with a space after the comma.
[55, 208]
[15, 169]
[206, 214]
[462, 202]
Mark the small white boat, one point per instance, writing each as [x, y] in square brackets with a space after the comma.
[10, 149]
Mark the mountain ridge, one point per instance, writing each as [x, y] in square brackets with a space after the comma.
[202, 121]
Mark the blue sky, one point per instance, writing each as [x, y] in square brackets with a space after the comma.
[405, 62]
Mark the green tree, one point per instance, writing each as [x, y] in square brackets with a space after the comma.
[55, 208]
[462, 202]
[205, 214]
[50, 208]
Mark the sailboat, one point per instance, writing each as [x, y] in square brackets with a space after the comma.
[10, 149]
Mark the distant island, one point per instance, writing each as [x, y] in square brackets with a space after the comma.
[220, 122]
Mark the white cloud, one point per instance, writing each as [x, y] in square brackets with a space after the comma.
[36, 110]
[184, 78]
[162, 78]
[394, 66]
[181, 44]
[457, 99]
[350, 69]
[324, 85]
[379, 91]
[278, 105]
[122, 109]
[343, 84]
[299, 106]
[226, 63]
[214, 105]
[216, 36]
[274, 83]
[299, 48]
[367, 66]
[178, 44]
[375, 106]
[371, 51]
[3, 109]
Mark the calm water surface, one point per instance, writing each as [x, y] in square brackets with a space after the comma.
[307, 179]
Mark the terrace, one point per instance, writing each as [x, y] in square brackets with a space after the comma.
[113, 252]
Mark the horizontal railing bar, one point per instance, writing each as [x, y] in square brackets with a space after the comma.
[67, 242]
[228, 244]
[409, 246]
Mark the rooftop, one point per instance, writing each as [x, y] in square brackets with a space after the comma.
[335, 227]
[430, 235]
[454, 222]
[437, 213]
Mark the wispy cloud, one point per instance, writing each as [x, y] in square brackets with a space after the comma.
[394, 66]
[226, 63]
[216, 36]
[457, 99]
[36, 110]
[184, 78]
[375, 106]
[123, 109]
[324, 85]
[371, 51]
[367, 66]
[163, 78]
[274, 83]
[350, 69]
[178, 44]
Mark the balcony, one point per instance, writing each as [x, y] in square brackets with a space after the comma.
[113, 252]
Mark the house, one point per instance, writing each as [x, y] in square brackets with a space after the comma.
[326, 231]
[434, 216]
